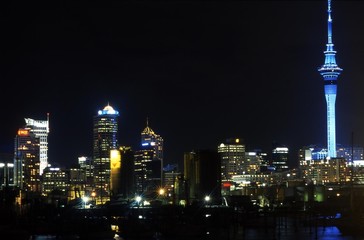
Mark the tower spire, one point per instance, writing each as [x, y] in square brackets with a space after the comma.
[329, 23]
[330, 72]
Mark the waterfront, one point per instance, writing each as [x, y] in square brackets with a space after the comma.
[170, 222]
[303, 233]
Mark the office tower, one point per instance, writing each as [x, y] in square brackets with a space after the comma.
[55, 179]
[148, 163]
[330, 72]
[232, 157]
[280, 158]
[171, 174]
[147, 171]
[77, 186]
[202, 173]
[41, 129]
[87, 166]
[105, 135]
[151, 140]
[27, 160]
[353, 155]
[127, 188]
[252, 163]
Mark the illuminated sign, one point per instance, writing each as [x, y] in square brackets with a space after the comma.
[23, 132]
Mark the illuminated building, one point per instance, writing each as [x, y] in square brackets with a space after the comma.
[331, 170]
[252, 163]
[144, 172]
[41, 129]
[280, 158]
[151, 140]
[86, 165]
[202, 172]
[115, 172]
[149, 162]
[105, 133]
[353, 155]
[171, 174]
[77, 182]
[55, 179]
[6, 174]
[330, 72]
[27, 160]
[232, 157]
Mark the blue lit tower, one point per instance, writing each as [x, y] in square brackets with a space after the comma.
[330, 72]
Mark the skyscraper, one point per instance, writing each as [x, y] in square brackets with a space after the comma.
[330, 72]
[41, 129]
[155, 141]
[232, 157]
[105, 139]
[27, 160]
[151, 140]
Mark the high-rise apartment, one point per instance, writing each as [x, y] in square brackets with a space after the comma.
[105, 140]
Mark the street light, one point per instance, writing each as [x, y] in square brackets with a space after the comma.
[207, 199]
[93, 195]
[84, 200]
[138, 199]
[161, 191]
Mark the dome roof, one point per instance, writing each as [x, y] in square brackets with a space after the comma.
[108, 110]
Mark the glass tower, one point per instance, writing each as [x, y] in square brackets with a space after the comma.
[330, 72]
[41, 129]
[153, 141]
[105, 133]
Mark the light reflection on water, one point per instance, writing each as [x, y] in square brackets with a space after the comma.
[320, 233]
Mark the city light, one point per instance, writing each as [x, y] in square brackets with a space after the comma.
[85, 200]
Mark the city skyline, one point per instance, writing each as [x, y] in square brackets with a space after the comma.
[200, 72]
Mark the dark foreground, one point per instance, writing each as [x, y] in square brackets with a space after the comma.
[169, 222]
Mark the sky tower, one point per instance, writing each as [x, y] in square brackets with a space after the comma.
[330, 72]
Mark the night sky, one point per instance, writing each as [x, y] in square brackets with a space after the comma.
[201, 71]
